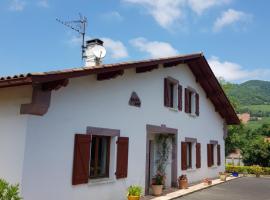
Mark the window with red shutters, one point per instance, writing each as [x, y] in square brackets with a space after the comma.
[218, 155]
[180, 97]
[183, 155]
[122, 157]
[166, 93]
[81, 159]
[187, 100]
[198, 155]
[197, 101]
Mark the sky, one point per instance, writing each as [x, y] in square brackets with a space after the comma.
[232, 34]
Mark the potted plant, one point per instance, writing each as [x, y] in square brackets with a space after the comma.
[257, 170]
[183, 182]
[134, 192]
[235, 174]
[157, 184]
[222, 176]
[207, 181]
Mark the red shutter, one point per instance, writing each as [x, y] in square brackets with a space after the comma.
[186, 100]
[180, 97]
[198, 155]
[197, 104]
[166, 93]
[184, 155]
[218, 155]
[81, 159]
[122, 157]
[209, 155]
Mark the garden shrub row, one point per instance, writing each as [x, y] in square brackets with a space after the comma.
[247, 169]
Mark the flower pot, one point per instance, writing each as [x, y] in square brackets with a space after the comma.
[157, 190]
[183, 184]
[235, 174]
[223, 177]
[133, 197]
[207, 182]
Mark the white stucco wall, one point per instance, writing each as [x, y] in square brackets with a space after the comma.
[87, 102]
[13, 132]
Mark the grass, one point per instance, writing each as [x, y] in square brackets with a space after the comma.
[265, 108]
[257, 124]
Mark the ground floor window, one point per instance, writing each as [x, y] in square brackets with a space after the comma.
[189, 155]
[100, 156]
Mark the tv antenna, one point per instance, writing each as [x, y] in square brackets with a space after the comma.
[78, 26]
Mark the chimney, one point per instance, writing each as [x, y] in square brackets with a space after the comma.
[94, 53]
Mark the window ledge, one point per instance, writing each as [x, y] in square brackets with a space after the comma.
[173, 109]
[191, 170]
[101, 181]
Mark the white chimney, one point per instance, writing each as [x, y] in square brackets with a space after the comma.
[94, 53]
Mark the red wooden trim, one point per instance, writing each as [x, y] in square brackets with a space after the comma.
[146, 68]
[109, 75]
[40, 102]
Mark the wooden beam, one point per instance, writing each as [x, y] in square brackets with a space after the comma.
[109, 75]
[40, 102]
[146, 68]
[54, 85]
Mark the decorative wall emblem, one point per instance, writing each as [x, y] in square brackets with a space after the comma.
[134, 100]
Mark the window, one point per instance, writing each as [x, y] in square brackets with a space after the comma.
[100, 156]
[191, 102]
[189, 155]
[212, 154]
[172, 93]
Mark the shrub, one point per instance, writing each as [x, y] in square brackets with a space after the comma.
[8, 191]
[134, 190]
[248, 169]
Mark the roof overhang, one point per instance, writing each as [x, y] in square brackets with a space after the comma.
[196, 62]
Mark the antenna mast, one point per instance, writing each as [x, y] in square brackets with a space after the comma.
[78, 26]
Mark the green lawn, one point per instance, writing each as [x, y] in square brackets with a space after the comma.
[265, 108]
[257, 124]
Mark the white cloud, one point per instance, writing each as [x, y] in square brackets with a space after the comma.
[230, 17]
[113, 15]
[154, 49]
[234, 72]
[199, 6]
[17, 5]
[165, 12]
[43, 3]
[116, 49]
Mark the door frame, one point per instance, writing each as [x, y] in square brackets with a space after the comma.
[163, 129]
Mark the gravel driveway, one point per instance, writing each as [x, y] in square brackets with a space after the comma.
[240, 189]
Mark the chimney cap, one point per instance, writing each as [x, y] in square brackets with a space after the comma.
[95, 41]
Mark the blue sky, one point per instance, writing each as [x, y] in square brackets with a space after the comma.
[233, 34]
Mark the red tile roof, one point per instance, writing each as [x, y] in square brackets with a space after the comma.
[196, 62]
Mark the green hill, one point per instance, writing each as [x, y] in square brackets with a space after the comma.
[252, 92]
[252, 97]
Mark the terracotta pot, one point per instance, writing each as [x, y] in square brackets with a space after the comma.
[157, 190]
[133, 198]
[207, 182]
[223, 177]
[183, 184]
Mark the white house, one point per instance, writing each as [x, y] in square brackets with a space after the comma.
[89, 133]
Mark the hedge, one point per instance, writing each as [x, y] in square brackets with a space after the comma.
[247, 169]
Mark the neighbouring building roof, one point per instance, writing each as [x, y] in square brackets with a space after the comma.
[196, 62]
[244, 117]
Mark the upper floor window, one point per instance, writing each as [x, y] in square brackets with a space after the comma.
[172, 93]
[192, 102]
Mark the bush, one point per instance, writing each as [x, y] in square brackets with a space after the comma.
[249, 169]
[8, 191]
[134, 190]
